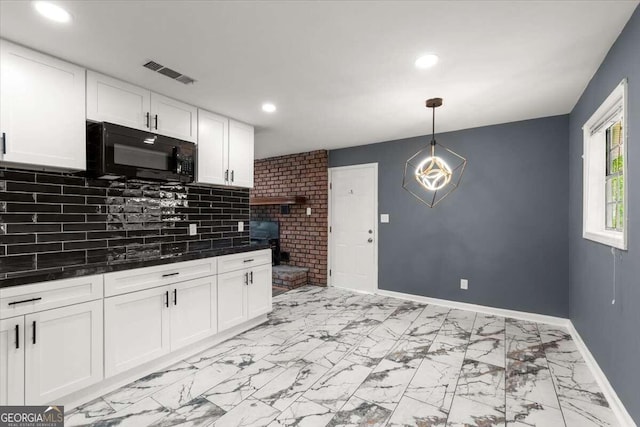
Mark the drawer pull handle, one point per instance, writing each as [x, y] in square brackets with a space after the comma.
[170, 274]
[248, 260]
[34, 331]
[24, 301]
[17, 336]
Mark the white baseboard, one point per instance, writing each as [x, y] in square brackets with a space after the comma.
[612, 397]
[520, 315]
[110, 384]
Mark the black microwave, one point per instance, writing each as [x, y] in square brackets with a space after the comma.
[115, 151]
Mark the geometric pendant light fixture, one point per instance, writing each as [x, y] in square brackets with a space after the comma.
[434, 172]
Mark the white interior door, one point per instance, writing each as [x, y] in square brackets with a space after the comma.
[353, 243]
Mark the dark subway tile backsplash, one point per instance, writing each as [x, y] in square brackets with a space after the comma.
[53, 220]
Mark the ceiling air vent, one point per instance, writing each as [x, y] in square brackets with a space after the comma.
[154, 66]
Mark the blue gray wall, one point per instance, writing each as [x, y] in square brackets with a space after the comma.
[504, 228]
[612, 332]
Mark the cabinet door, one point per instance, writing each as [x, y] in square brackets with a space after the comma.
[63, 351]
[136, 328]
[114, 101]
[232, 296]
[259, 291]
[240, 154]
[213, 141]
[12, 361]
[193, 311]
[41, 109]
[173, 118]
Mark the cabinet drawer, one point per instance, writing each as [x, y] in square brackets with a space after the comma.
[242, 260]
[138, 279]
[19, 300]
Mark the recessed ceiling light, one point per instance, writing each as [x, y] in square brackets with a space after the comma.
[427, 61]
[268, 107]
[52, 11]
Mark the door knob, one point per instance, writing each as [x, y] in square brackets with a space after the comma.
[370, 240]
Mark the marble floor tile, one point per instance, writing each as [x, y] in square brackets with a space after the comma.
[192, 386]
[328, 353]
[578, 413]
[524, 413]
[488, 349]
[148, 385]
[237, 388]
[88, 413]
[371, 350]
[358, 412]
[434, 383]
[290, 385]
[469, 413]
[411, 413]
[386, 384]
[532, 382]
[327, 356]
[250, 412]
[338, 384]
[303, 413]
[411, 349]
[447, 350]
[293, 350]
[196, 413]
[482, 383]
[487, 325]
[142, 413]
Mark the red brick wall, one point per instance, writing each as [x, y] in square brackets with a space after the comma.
[303, 236]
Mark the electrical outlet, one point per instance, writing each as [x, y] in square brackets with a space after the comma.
[240, 226]
[464, 284]
[308, 211]
[193, 229]
[384, 218]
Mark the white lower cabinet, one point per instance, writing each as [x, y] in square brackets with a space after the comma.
[194, 311]
[49, 354]
[232, 297]
[12, 361]
[142, 326]
[259, 291]
[136, 328]
[63, 351]
[243, 294]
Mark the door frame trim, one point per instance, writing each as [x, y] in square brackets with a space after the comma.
[375, 222]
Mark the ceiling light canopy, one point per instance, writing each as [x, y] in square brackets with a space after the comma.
[426, 61]
[52, 11]
[433, 177]
[268, 107]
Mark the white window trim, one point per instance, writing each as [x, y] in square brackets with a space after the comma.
[594, 187]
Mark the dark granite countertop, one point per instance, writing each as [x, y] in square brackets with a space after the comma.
[91, 269]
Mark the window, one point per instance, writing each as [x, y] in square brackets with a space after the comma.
[605, 168]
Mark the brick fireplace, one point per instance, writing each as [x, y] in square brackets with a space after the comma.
[303, 236]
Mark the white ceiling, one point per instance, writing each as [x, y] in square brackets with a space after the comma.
[341, 73]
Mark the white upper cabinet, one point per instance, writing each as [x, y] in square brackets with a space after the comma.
[114, 101]
[213, 143]
[173, 118]
[240, 154]
[42, 110]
